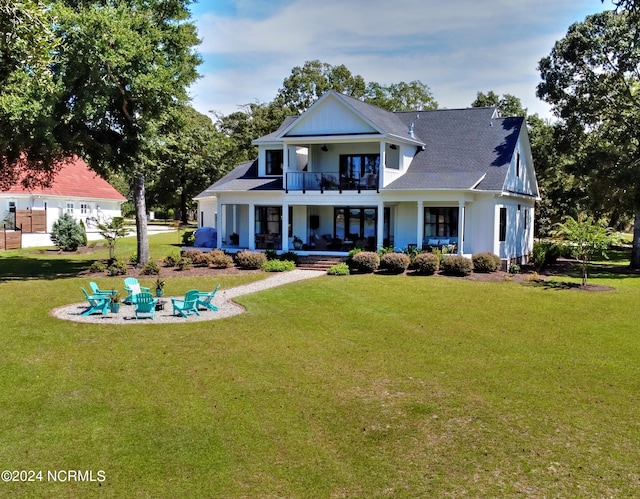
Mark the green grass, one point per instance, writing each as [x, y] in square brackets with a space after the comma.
[361, 386]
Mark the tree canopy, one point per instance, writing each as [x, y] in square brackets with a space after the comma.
[592, 81]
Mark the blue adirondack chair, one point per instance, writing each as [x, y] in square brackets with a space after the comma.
[132, 287]
[97, 303]
[204, 299]
[145, 305]
[188, 305]
[97, 291]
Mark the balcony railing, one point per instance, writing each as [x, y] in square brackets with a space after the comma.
[330, 181]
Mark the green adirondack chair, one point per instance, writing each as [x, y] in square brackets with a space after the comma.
[145, 305]
[132, 286]
[95, 290]
[204, 299]
[187, 306]
[97, 303]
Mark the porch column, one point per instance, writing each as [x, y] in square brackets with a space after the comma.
[219, 223]
[420, 231]
[383, 164]
[380, 228]
[252, 226]
[461, 214]
[285, 227]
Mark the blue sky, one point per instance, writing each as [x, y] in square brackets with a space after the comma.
[456, 47]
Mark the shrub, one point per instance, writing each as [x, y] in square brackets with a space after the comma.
[170, 260]
[365, 262]
[351, 254]
[486, 262]
[66, 234]
[188, 238]
[133, 259]
[250, 259]
[426, 263]
[197, 257]
[278, 266]
[290, 256]
[339, 269]
[514, 268]
[219, 259]
[456, 265]
[117, 267]
[271, 254]
[545, 253]
[184, 263]
[97, 266]
[395, 263]
[150, 268]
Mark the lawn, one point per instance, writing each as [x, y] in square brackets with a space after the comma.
[359, 386]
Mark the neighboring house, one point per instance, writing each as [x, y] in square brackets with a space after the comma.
[346, 173]
[76, 189]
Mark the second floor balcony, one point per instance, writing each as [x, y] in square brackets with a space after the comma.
[330, 181]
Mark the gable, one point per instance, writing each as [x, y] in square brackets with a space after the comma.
[330, 117]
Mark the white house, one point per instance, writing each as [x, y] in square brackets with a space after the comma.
[76, 189]
[345, 173]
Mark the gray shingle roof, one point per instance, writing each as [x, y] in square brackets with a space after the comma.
[462, 147]
[243, 178]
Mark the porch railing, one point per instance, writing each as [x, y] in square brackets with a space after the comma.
[330, 181]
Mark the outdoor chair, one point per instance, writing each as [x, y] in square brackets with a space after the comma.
[204, 299]
[132, 286]
[97, 303]
[145, 305]
[97, 291]
[188, 305]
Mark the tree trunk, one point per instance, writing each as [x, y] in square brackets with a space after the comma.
[141, 219]
[184, 214]
[635, 252]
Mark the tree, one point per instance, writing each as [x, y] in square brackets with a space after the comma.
[67, 234]
[413, 96]
[111, 231]
[508, 104]
[27, 90]
[592, 81]
[121, 66]
[587, 239]
[307, 83]
[188, 158]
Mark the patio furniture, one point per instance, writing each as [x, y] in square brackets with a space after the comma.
[132, 286]
[187, 306]
[145, 305]
[97, 291]
[97, 303]
[204, 299]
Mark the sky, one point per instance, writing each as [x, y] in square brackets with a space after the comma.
[456, 47]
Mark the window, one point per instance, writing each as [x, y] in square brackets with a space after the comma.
[518, 165]
[441, 222]
[274, 162]
[355, 223]
[85, 209]
[268, 219]
[503, 224]
[354, 167]
[69, 208]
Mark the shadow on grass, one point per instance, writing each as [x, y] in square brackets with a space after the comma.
[25, 267]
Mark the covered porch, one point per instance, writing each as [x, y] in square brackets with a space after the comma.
[337, 229]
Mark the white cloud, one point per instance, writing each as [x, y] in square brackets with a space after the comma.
[456, 48]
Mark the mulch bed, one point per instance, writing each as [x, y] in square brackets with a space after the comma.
[563, 267]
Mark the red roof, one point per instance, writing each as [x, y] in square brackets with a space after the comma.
[75, 179]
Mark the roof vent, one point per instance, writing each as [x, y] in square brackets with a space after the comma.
[411, 134]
